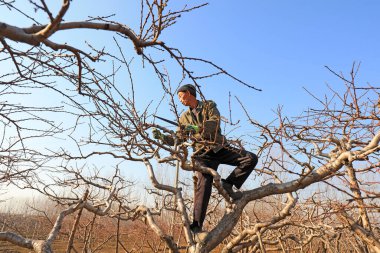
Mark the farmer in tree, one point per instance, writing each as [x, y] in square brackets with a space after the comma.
[202, 123]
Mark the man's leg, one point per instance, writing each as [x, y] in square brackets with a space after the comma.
[202, 194]
[244, 161]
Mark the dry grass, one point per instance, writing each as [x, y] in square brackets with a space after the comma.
[99, 234]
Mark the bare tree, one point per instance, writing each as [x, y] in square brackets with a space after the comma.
[336, 144]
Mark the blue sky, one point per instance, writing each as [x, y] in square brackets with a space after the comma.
[277, 46]
[282, 48]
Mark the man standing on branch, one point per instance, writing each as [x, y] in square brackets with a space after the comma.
[202, 122]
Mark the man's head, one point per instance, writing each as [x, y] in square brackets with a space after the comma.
[187, 95]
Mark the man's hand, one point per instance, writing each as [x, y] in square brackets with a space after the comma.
[157, 134]
[192, 128]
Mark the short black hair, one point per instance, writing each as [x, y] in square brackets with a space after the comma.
[188, 87]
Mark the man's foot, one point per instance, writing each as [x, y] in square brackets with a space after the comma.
[195, 228]
[228, 188]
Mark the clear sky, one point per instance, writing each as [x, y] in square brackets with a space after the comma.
[277, 46]
[282, 46]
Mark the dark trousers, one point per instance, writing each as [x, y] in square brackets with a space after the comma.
[244, 161]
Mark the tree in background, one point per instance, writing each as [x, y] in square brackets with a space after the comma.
[334, 146]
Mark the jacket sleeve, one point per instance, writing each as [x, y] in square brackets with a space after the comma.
[212, 121]
[213, 112]
[169, 140]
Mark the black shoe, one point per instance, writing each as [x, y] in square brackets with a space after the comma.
[198, 234]
[228, 188]
[195, 228]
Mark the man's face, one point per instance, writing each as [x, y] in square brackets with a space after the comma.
[184, 97]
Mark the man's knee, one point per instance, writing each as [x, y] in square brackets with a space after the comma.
[253, 158]
[250, 160]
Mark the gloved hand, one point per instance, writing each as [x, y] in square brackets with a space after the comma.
[157, 134]
[192, 128]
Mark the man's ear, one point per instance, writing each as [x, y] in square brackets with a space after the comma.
[188, 93]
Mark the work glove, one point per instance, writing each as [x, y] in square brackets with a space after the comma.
[192, 128]
[157, 134]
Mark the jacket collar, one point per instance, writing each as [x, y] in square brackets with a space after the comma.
[199, 106]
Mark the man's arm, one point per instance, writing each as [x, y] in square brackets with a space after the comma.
[169, 139]
[166, 138]
[212, 124]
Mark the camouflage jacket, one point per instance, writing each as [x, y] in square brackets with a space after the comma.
[207, 117]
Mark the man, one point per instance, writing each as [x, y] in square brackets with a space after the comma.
[202, 122]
